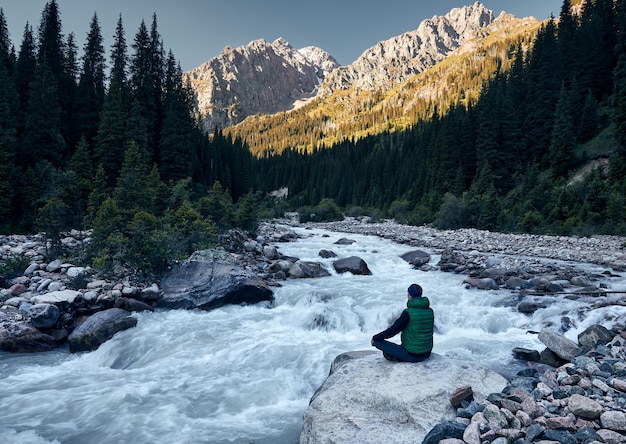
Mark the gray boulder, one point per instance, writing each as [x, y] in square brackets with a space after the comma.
[367, 399]
[560, 345]
[417, 258]
[22, 337]
[43, 315]
[99, 328]
[594, 335]
[208, 285]
[307, 269]
[352, 264]
[345, 241]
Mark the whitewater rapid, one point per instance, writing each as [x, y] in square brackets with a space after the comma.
[244, 374]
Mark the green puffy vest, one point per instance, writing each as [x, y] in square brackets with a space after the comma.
[417, 337]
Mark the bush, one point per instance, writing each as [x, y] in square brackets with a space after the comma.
[14, 266]
[326, 211]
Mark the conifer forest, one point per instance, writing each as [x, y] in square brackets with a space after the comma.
[109, 141]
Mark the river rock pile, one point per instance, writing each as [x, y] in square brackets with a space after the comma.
[583, 400]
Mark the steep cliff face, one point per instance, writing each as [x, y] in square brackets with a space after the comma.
[260, 77]
[392, 61]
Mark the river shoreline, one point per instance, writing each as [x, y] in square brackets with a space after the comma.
[603, 250]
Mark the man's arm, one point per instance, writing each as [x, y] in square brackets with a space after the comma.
[396, 328]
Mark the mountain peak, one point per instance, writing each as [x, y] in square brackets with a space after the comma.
[392, 61]
[259, 77]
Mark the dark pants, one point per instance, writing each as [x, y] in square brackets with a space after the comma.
[395, 352]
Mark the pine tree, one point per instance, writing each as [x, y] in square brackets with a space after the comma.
[133, 192]
[43, 140]
[8, 131]
[177, 135]
[563, 139]
[5, 45]
[25, 68]
[146, 75]
[90, 92]
[113, 134]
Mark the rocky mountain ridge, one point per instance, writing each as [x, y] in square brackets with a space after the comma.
[396, 59]
[259, 77]
[266, 78]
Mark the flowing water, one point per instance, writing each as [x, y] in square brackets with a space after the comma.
[246, 374]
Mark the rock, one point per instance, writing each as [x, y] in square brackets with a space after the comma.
[560, 436]
[151, 293]
[529, 307]
[54, 266]
[417, 258]
[493, 415]
[584, 407]
[270, 252]
[526, 354]
[610, 437]
[99, 328]
[31, 269]
[482, 284]
[208, 285]
[463, 393]
[57, 297]
[17, 289]
[593, 336]
[367, 399]
[307, 269]
[345, 241]
[131, 304]
[352, 264]
[444, 431]
[327, 254]
[560, 345]
[22, 337]
[75, 271]
[43, 315]
[613, 420]
[515, 282]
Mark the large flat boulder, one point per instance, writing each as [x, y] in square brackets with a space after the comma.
[368, 400]
[208, 285]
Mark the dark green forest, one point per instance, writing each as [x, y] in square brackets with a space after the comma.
[108, 141]
[112, 146]
[512, 161]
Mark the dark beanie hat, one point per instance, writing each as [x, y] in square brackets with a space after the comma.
[415, 291]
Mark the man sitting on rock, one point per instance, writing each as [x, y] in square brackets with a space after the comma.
[416, 324]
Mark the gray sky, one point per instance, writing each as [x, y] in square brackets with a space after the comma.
[197, 30]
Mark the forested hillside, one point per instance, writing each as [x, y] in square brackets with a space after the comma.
[354, 113]
[513, 160]
[111, 147]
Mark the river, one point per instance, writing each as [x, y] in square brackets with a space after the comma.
[245, 374]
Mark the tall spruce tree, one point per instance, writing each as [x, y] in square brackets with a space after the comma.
[177, 135]
[91, 85]
[25, 68]
[146, 78]
[8, 132]
[112, 135]
[563, 139]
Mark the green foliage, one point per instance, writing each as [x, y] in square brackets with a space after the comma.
[52, 220]
[217, 206]
[248, 211]
[14, 266]
[451, 215]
